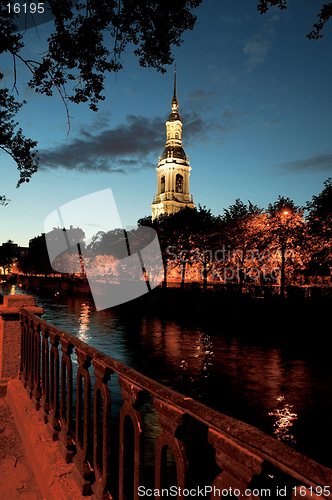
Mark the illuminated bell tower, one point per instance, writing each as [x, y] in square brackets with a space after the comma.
[173, 169]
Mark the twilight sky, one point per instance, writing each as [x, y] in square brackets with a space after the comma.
[256, 103]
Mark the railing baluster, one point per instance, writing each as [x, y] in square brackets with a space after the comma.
[36, 372]
[24, 353]
[31, 357]
[84, 427]
[101, 426]
[23, 334]
[45, 373]
[170, 419]
[66, 399]
[54, 384]
[238, 466]
[130, 395]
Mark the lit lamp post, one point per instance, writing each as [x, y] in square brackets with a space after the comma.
[284, 215]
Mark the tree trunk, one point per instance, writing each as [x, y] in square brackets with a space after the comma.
[205, 274]
[165, 266]
[183, 273]
[241, 279]
[282, 277]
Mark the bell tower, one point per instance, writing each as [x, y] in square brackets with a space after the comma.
[173, 171]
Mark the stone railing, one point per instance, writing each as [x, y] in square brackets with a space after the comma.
[124, 435]
[156, 438]
[171, 196]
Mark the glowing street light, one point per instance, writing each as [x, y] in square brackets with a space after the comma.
[285, 212]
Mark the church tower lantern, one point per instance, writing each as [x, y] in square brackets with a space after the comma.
[173, 171]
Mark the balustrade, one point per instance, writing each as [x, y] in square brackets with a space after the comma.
[70, 382]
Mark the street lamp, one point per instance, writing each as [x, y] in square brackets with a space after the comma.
[285, 213]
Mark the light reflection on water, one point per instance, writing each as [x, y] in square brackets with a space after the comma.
[281, 389]
[82, 330]
[284, 420]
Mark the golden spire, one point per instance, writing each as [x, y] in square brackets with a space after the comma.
[175, 99]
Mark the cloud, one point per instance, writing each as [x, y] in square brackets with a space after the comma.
[235, 20]
[257, 47]
[318, 163]
[133, 145]
[256, 50]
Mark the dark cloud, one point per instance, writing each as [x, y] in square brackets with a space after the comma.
[130, 146]
[317, 163]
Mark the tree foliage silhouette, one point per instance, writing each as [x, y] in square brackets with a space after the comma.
[86, 43]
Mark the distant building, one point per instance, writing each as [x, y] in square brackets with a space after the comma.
[173, 171]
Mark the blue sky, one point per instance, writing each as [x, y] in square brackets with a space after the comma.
[255, 98]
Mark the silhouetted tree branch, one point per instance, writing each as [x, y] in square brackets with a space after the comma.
[324, 15]
[86, 43]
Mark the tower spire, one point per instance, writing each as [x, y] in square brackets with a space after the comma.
[175, 99]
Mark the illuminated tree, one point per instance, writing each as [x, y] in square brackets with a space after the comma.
[204, 238]
[185, 240]
[165, 230]
[8, 254]
[285, 238]
[319, 221]
[192, 234]
[243, 227]
[37, 261]
[109, 243]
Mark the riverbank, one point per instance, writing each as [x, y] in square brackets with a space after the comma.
[260, 312]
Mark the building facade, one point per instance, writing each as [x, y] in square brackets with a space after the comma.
[173, 171]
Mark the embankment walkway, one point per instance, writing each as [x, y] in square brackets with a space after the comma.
[17, 479]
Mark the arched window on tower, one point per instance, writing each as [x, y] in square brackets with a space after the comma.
[177, 135]
[162, 184]
[179, 183]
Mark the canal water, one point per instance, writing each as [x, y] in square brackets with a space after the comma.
[282, 388]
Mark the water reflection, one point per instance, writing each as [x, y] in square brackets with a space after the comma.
[204, 353]
[283, 389]
[82, 331]
[284, 420]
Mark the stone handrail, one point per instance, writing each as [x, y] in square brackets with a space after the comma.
[161, 433]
